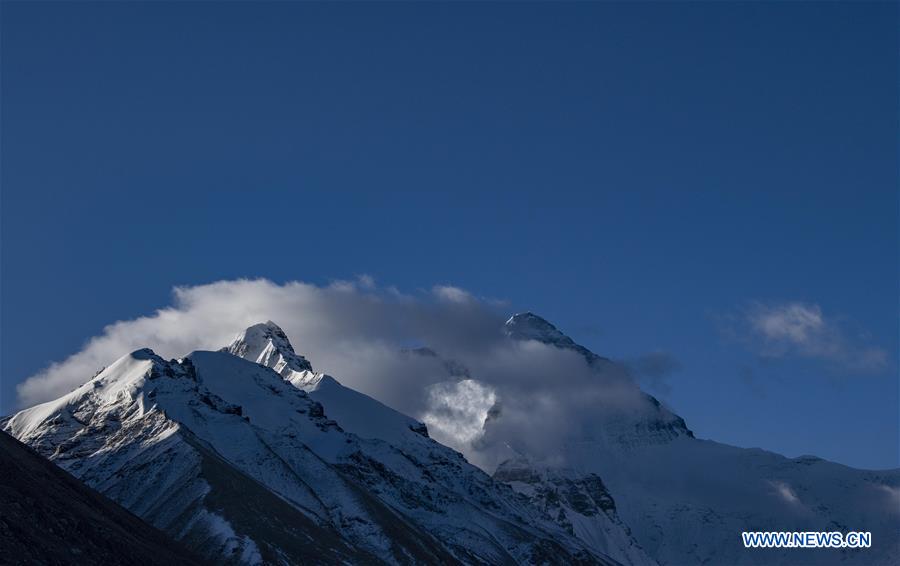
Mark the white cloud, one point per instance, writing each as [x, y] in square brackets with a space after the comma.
[795, 323]
[457, 410]
[348, 328]
[451, 294]
[366, 281]
[802, 329]
[361, 334]
[785, 492]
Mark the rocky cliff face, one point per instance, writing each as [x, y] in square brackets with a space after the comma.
[579, 503]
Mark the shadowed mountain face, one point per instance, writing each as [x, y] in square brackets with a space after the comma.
[49, 517]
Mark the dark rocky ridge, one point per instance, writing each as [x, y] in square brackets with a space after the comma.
[49, 517]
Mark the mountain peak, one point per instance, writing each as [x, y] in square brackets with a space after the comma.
[267, 344]
[529, 326]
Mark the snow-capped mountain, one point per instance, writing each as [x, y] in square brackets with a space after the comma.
[241, 465]
[249, 455]
[369, 418]
[686, 500]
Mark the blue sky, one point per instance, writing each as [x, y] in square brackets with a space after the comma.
[649, 177]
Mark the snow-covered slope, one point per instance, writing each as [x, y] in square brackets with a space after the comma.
[356, 412]
[152, 436]
[231, 458]
[687, 500]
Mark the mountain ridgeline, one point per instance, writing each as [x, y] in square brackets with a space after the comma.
[248, 455]
[243, 466]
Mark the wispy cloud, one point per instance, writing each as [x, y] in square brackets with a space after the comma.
[804, 330]
[452, 294]
[785, 492]
[654, 369]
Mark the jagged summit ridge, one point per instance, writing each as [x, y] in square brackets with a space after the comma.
[356, 412]
[529, 326]
[267, 344]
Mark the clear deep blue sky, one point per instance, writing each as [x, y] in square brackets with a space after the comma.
[631, 172]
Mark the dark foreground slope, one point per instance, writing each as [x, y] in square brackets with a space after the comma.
[49, 517]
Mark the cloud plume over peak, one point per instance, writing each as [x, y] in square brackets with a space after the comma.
[337, 326]
[365, 336]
